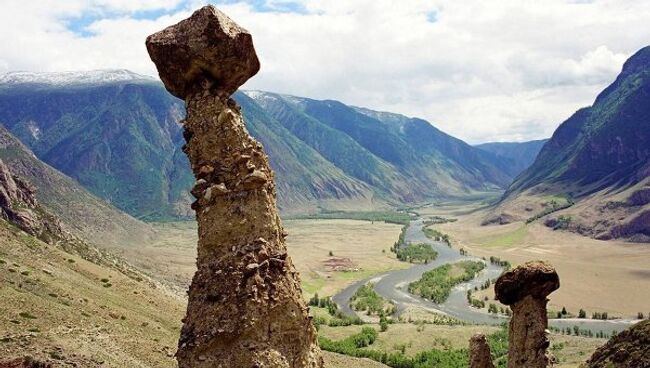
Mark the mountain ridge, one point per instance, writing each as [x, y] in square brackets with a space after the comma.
[122, 140]
[595, 169]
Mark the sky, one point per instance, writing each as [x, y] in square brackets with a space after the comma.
[500, 70]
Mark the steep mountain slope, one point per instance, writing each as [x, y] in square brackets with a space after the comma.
[520, 155]
[82, 213]
[405, 159]
[600, 159]
[118, 134]
[63, 309]
[304, 177]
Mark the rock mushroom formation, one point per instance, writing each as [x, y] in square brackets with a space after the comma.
[479, 352]
[245, 305]
[525, 289]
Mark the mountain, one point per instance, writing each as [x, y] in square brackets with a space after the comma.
[119, 135]
[36, 191]
[597, 163]
[520, 155]
[403, 159]
[115, 132]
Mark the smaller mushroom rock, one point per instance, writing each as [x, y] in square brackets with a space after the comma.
[479, 352]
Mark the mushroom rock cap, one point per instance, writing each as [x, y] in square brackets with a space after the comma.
[208, 50]
[537, 279]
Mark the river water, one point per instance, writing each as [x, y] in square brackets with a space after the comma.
[393, 286]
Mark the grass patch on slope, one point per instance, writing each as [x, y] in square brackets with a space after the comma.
[505, 240]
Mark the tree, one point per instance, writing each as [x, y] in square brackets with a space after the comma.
[564, 312]
[582, 313]
[331, 253]
[383, 323]
[639, 316]
[493, 308]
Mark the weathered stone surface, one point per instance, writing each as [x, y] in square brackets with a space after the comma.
[536, 279]
[24, 363]
[630, 348]
[525, 289]
[18, 205]
[206, 51]
[479, 352]
[245, 306]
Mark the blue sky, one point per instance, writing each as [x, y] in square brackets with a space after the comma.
[503, 70]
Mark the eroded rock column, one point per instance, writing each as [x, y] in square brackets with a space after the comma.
[245, 305]
[525, 289]
[479, 352]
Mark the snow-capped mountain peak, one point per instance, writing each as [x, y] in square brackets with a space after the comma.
[101, 76]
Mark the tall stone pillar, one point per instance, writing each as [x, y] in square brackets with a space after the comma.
[245, 305]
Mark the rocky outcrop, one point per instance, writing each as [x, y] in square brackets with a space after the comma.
[479, 352]
[630, 348]
[525, 289]
[24, 363]
[245, 306]
[19, 206]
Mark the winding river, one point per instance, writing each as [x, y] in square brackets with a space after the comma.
[393, 286]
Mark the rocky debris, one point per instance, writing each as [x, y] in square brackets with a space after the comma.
[638, 227]
[525, 289]
[19, 206]
[630, 348]
[245, 306]
[26, 362]
[479, 352]
[501, 219]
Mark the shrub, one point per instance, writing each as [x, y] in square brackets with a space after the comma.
[26, 315]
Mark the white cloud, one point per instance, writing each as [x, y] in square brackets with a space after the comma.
[498, 70]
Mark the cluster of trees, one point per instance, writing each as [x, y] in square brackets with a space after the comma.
[393, 217]
[577, 331]
[486, 284]
[595, 315]
[423, 253]
[598, 315]
[434, 220]
[401, 240]
[436, 235]
[325, 302]
[437, 283]
[480, 304]
[357, 346]
[501, 263]
[366, 299]
[338, 318]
